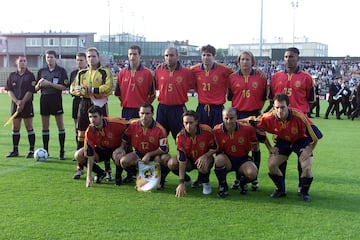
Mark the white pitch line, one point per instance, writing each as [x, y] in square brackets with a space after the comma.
[5, 171]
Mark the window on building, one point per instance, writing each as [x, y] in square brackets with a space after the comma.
[69, 42]
[51, 42]
[33, 42]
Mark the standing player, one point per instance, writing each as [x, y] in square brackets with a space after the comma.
[295, 132]
[248, 93]
[234, 141]
[21, 86]
[196, 146]
[81, 64]
[294, 82]
[149, 140]
[173, 81]
[297, 84]
[93, 85]
[211, 84]
[135, 86]
[102, 137]
[52, 80]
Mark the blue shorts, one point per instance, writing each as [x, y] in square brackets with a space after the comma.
[286, 148]
[209, 114]
[191, 165]
[170, 117]
[129, 113]
[140, 155]
[241, 114]
[105, 154]
[236, 162]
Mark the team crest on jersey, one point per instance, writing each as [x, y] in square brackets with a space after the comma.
[233, 148]
[255, 84]
[151, 139]
[105, 143]
[215, 79]
[294, 130]
[241, 140]
[179, 80]
[287, 138]
[66, 82]
[140, 80]
[297, 84]
[110, 135]
[33, 83]
[97, 80]
[202, 145]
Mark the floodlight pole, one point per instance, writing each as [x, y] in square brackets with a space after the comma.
[261, 29]
[294, 6]
[109, 29]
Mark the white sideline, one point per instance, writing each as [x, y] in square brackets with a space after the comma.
[5, 171]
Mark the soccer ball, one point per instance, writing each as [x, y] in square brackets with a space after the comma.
[41, 155]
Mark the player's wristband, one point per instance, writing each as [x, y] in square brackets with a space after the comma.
[181, 181]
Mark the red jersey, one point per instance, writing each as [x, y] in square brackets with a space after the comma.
[193, 148]
[110, 136]
[237, 144]
[298, 86]
[211, 86]
[174, 85]
[136, 88]
[248, 92]
[145, 140]
[296, 126]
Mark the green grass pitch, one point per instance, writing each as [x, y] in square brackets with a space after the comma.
[40, 200]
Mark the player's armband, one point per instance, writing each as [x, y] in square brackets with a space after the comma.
[164, 144]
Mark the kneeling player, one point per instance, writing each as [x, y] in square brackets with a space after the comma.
[295, 132]
[234, 140]
[102, 138]
[196, 146]
[149, 140]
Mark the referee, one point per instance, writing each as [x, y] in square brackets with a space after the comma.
[20, 86]
[52, 80]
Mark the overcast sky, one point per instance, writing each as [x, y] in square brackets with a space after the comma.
[202, 22]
